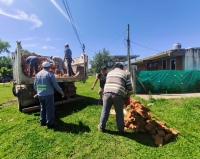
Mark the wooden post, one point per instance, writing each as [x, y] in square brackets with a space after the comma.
[134, 80]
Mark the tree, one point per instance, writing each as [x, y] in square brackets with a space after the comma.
[4, 46]
[5, 71]
[101, 59]
[24, 51]
[5, 62]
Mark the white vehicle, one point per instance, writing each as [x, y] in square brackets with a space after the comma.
[23, 85]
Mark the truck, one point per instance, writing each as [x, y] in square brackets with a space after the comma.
[23, 86]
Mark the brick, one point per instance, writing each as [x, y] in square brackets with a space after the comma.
[175, 132]
[160, 132]
[168, 137]
[159, 140]
[149, 126]
[153, 131]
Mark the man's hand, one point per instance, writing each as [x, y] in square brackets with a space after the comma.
[63, 95]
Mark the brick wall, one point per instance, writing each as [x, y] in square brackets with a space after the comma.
[179, 65]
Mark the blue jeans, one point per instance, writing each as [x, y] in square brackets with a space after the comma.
[118, 102]
[35, 66]
[47, 109]
[69, 65]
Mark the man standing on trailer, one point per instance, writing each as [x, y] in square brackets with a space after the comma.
[33, 63]
[44, 84]
[57, 60]
[68, 57]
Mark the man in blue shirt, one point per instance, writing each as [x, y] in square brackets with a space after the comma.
[44, 84]
[33, 63]
[68, 57]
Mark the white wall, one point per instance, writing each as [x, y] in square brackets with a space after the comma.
[192, 59]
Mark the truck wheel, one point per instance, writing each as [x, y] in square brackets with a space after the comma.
[13, 90]
[19, 106]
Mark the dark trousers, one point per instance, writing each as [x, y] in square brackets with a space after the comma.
[69, 65]
[35, 66]
[110, 99]
[47, 109]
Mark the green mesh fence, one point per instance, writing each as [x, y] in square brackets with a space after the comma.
[168, 81]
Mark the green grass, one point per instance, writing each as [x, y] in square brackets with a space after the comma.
[77, 136]
[5, 93]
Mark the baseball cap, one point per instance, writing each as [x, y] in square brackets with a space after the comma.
[46, 64]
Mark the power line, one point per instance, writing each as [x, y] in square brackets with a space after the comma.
[145, 46]
[115, 39]
[72, 22]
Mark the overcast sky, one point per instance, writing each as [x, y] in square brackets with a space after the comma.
[43, 26]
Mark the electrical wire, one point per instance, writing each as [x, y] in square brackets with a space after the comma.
[72, 22]
[115, 39]
[145, 46]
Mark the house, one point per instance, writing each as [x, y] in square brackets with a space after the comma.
[175, 59]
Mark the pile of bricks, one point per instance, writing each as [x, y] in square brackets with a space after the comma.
[139, 119]
[25, 67]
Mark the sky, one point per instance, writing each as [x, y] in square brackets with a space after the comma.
[44, 27]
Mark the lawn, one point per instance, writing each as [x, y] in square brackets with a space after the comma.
[77, 136]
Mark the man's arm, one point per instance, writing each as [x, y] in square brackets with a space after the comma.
[94, 83]
[56, 86]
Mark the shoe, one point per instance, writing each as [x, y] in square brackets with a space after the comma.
[52, 126]
[101, 129]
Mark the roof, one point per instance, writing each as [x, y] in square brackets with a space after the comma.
[168, 53]
[122, 58]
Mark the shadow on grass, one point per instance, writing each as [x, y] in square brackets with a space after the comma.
[142, 138]
[71, 128]
[66, 109]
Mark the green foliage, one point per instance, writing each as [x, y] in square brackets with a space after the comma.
[4, 46]
[6, 61]
[100, 59]
[5, 71]
[25, 51]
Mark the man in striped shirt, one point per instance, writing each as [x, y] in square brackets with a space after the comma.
[118, 86]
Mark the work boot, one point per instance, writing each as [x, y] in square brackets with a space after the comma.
[100, 129]
[52, 126]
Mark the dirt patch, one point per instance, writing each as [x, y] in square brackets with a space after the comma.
[10, 102]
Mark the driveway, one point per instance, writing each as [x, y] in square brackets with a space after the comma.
[167, 96]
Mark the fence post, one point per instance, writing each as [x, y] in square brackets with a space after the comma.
[133, 79]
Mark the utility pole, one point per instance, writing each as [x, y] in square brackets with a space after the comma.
[132, 72]
[128, 50]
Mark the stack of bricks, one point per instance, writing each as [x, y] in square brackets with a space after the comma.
[139, 119]
[25, 67]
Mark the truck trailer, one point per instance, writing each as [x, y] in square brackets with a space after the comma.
[23, 87]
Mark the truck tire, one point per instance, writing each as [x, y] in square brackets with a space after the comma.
[13, 90]
[19, 106]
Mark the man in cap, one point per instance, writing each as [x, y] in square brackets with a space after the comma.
[57, 60]
[118, 86]
[44, 84]
[68, 57]
[33, 63]
[102, 80]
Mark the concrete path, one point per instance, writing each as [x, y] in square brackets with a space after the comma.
[167, 96]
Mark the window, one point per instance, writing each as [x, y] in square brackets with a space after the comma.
[164, 64]
[173, 64]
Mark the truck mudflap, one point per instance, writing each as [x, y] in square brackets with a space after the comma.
[37, 107]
